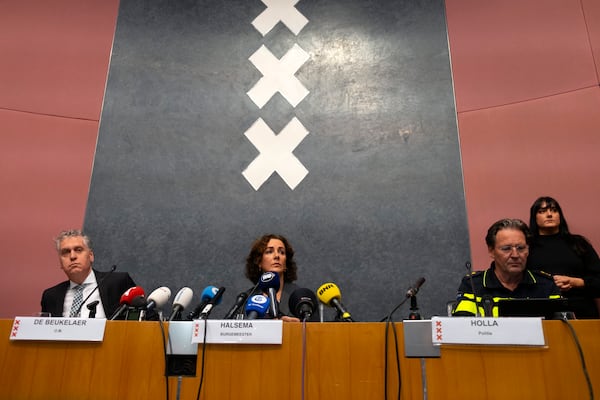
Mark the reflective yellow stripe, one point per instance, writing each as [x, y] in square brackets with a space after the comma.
[467, 304]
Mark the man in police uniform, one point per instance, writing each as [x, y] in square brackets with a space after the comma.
[508, 245]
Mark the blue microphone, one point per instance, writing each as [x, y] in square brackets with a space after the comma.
[215, 300]
[207, 294]
[257, 306]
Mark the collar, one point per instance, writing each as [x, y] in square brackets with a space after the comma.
[490, 280]
[90, 279]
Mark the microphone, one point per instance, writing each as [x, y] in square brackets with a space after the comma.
[303, 303]
[112, 269]
[488, 305]
[92, 308]
[182, 300]
[211, 303]
[470, 270]
[257, 306]
[413, 290]
[126, 300]
[207, 294]
[330, 295]
[241, 298]
[135, 311]
[269, 283]
[158, 298]
[138, 302]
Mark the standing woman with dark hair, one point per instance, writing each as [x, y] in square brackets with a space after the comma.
[570, 258]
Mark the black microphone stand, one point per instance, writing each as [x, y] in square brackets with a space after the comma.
[414, 310]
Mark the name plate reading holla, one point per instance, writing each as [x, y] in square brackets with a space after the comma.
[238, 331]
[522, 331]
[58, 328]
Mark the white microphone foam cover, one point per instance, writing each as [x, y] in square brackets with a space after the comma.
[160, 296]
[184, 297]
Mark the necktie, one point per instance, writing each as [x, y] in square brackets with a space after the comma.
[77, 301]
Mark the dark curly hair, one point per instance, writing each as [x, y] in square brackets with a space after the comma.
[259, 246]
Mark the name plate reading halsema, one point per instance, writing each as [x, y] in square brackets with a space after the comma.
[57, 328]
[488, 331]
[238, 331]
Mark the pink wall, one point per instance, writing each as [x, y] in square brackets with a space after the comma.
[528, 105]
[527, 95]
[53, 66]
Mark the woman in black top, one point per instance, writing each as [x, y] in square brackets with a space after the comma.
[570, 258]
[274, 253]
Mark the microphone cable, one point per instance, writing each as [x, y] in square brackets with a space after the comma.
[203, 361]
[388, 322]
[470, 272]
[112, 269]
[250, 294]
[303, 382]
[581, 355]
[166, 357]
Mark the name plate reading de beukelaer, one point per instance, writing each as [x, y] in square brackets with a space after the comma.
[58, 328]
[248, 331]
[523, 331]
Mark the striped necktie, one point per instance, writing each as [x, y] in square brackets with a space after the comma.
[77, 301]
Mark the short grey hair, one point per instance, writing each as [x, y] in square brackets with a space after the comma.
[72, 233]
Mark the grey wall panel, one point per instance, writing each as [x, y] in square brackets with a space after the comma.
[382, 203]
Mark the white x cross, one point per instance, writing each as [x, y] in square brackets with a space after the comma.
[278, 76]
[275, 153]
[280, 10]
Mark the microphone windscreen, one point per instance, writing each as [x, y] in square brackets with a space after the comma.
[184, 297]
[302, 300]
[131, 293]
[160, 296]
[258, 304]
[208, 293]
[327, 292]
[269, 280]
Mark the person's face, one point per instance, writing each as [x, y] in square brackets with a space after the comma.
[274, 257]
[510, 252]
[548, 220]
[76, 258]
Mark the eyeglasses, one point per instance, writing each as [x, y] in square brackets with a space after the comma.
[520, 248]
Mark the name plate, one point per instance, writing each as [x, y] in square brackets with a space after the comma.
[57, 328]
[248, 331]
[488, 331]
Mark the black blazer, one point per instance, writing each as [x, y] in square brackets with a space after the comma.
[112, 286]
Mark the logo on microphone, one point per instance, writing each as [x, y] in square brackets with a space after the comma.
[325, 287]
[259, 299]
[267, 277]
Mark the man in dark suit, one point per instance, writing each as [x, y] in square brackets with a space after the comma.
[76, 258]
